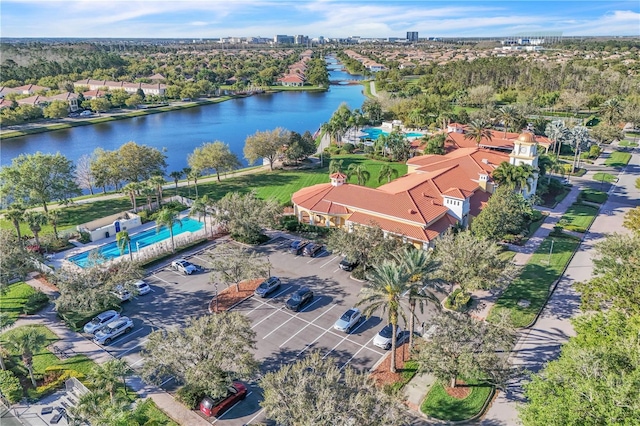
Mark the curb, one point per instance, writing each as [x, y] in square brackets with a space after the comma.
[230, 307]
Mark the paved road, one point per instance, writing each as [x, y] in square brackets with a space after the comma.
[543, 341]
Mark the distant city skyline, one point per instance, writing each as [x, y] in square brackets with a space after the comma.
[329, 18]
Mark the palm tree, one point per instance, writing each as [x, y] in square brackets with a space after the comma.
[35, 220]
[359, 172]
[199, 209]
[15, 214]
[131, 190]
[387, 283]
[558, 133]
[387, 172]
[580, 141]
[478, 130]
[109, 375]
[176, 175]
[168, 218]
[420, 268]
[612, 110]
[28, 341]
[54, 217]
[157, 182]
[508, 115]
[123, 239]
[335, 166]
[195, 174]
[187, 173]
[516, 177]
[148, 191]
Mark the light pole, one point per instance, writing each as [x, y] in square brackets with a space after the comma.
[269, 266]
[550, 252]
[138, 249]
[215, 285]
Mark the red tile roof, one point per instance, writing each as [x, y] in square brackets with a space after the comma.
[498, 140]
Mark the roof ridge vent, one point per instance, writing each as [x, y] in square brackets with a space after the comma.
[485, 161]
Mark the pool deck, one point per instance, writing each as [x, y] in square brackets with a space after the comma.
[59, 260]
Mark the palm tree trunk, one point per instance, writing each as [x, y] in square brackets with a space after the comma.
[452, 383]
[130, 252]
[412, 324]
[33, 379]
[4, 367]
[173, 247]
[35, 234]
[394, 330]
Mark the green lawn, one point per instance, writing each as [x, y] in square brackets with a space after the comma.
[407, 372]
[440, 405]
[151, 414]
[593, 196]
[13, 301]
[628, 143]
[281, 184]
[535, 280]
[604, 177]
[618, 159]
[578, 217]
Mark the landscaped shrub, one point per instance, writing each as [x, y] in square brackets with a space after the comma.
[251, 239]
[348, 148]
[458, 301]
[289, 223]
[54, 377]
[35, 302]
[85, 237]
[190, 396]
[10, 386]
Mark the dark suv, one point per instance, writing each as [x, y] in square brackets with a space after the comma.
[312, 250]
[347, 265]
[299, 299]
[297, 246]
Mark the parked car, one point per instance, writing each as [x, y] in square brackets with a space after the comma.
[100, 321]
[312, 249]
[297, 246]
[383, 338]
[210, 407]
[86, 114]
[347, 265]
[348, 320]
[122, 293]
[116, 328]
[267, 286]
[299, 299]
[142, 287]
[183, 266]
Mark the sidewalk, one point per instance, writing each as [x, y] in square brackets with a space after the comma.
[78, 344]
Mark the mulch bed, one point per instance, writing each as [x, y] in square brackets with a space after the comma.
[230, 296]
[382, 376]
[43, 280]
[461, 391]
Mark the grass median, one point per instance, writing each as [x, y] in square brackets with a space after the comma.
[578, 217]
[13, 302]
[440, 405]
[528, 293]
[617, 159]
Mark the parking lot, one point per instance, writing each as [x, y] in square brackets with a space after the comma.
[282, 336]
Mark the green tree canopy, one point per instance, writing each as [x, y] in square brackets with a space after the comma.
[506, 213]
[213, 156]
[313, 391]
[596, 380]
[15, 261]
[38, 179]
[207, 354]
[245, 215]
[616, 276]
[267, 144]
[56, 109]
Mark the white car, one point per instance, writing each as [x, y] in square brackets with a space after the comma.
[122, 293]
[100, 321]
[383, 338]
[183, 266]
[116, 328]
[86, 114]
[348, 320]
[142, 287]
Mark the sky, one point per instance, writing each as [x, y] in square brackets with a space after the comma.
[329, 18]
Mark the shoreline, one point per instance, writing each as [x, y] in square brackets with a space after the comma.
[68, 123]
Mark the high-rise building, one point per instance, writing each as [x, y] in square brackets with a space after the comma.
[412, 36]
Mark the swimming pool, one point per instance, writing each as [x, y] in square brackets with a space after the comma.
[142, 239]
[374, 133]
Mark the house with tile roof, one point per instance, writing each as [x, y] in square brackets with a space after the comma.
[438, 192]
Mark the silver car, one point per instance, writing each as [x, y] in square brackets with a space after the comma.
[183, 266]
[116, 328]
[100, 321]
[348, 320]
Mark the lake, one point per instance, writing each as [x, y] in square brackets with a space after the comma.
[179, 132]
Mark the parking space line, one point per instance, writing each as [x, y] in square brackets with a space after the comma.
[345, 337]
[126, 335]
[292, 317]
[255, 417]
[129, 350]
[204, 260]
[267, 317]
[308, 345]
[299, 331]
[166, 381]
[164, 281]
[335, 257]
[136, 363]
[360, 350]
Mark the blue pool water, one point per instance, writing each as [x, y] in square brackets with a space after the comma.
[142, 239]
[374, 133]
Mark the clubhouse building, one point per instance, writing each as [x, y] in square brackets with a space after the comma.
[438, 192]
